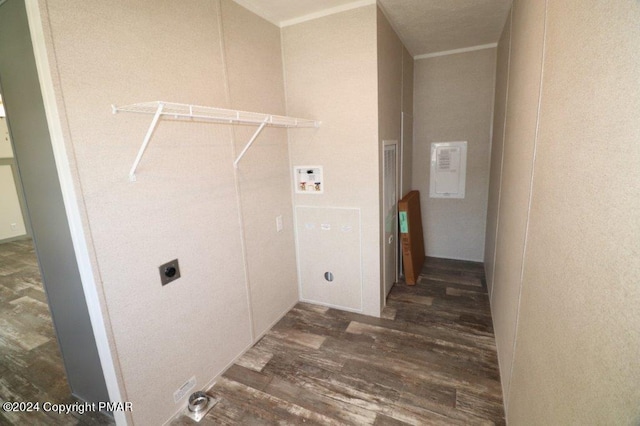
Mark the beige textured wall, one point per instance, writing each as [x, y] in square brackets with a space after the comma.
[407, 123]
[578, 340]
[390, 79]
[497, 145]
[390, 105]
[330, 74]
[254, 68]
[188, 201]
[453, 101]
[578, 326]
[519, 140]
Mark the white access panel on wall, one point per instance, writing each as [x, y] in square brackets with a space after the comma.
[448, 169]
[329, 256]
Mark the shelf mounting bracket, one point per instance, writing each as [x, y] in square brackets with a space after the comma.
[251, 141]
[145, 142]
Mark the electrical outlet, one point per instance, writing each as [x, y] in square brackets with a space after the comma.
[169, 272]
[279, 223]
[184, 389]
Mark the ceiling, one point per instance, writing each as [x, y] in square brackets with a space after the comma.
[425, 26]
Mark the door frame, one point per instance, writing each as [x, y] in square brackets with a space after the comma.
[385, 144]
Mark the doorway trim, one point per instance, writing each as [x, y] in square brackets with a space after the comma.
[384, 292]
[71, 205]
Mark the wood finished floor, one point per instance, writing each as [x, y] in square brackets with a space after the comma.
[31, 367]
[431, 360]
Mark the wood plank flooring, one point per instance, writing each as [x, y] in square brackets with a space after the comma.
[430, 360]
[31, 367]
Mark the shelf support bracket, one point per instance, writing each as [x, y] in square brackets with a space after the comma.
[251, 141]
[145, 142]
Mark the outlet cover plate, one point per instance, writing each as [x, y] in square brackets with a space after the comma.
[169, 272]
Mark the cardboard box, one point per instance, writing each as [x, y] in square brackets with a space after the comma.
[411, 237]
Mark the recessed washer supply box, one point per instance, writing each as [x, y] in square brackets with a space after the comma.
[308, 179]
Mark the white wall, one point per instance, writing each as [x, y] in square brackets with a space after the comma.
[453, 101]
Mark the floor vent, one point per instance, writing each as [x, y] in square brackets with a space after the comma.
[199, 405]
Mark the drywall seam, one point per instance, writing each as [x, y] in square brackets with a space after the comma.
[71, 203]
[486, 207]
[243, 242]
[533, 162]
[326, 12]
[402, 114]
[291, 174]
[455, 51]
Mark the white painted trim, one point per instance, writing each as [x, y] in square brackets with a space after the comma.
[396, 146]
[71, 206]
[326, 12]
[454, 51]
[332, 306]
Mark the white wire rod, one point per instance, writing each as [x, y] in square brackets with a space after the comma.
[251, 141]
[145, 142]
[216, 114]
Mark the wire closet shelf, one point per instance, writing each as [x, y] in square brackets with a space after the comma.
[204, 113]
